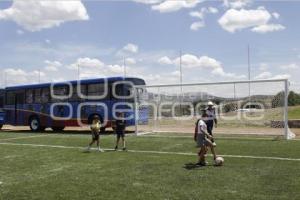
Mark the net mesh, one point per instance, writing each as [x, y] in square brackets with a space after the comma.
[247, 108]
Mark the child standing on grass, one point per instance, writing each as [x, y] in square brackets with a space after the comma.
[119, 126]
[95, 128]
[203, 139]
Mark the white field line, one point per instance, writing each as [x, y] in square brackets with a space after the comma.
[226, 138]
[154, 152]
[25, 137]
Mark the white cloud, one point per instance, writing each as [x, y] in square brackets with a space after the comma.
[290, 66]
[20, 32]
[192, 61]
[165, 61]
[172, 6]
[201, 15]
[282, 76]
[220, 72]
[269, 75]
[265, 28]
[276, 15]
[35, 15]
[148, 1]
[116, 69]
[234, 20]
[176, 73]
[131, 48]
[48, 41]
[130, 61]
[204, 62]
[19, 76]
[263, 66]
[237, 4]
[52, 66]
[264, 75]
[90, 64]
[213, 10]
[197, 25]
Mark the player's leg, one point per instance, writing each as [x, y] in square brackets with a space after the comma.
[201, 155]
[123, 141]
[209, 144]
[210, 126]
[117, 142]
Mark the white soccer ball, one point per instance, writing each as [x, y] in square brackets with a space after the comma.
[219, 161]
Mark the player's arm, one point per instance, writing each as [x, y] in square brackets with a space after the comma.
[208, 135]
[215, 118]
[196, 132]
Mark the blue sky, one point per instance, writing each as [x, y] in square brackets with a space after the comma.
[55, 37]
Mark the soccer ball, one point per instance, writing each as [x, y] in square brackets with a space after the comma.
[219, 161]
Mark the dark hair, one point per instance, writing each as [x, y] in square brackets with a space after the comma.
[96, 117]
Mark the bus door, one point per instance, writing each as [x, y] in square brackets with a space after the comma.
[19, 101]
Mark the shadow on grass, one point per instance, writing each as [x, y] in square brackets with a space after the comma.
[192, 166]
[71, 132]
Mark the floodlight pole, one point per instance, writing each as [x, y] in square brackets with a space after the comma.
[249, 75]
[181, 91]
[286, 95]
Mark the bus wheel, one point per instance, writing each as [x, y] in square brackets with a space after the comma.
[1, 126]
[35, 124]
[59, 129]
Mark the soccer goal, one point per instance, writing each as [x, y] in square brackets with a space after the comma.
[257, 107]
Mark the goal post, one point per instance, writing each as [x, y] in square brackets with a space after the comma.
[258, 107]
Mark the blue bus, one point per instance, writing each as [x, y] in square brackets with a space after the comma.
[74, 103]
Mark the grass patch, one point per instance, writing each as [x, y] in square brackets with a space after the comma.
[28, 172]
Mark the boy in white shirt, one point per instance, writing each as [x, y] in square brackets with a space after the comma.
[203, 140]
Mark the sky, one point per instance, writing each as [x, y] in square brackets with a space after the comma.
[46, 41]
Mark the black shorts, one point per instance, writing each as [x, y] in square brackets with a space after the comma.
[95, 136]
[210, 126]
[120, 133]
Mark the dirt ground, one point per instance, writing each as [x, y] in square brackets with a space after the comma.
[260, 131]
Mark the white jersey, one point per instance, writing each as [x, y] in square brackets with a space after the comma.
[201, 127]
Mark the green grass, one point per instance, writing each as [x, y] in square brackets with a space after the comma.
[32, 172]
[294, 112]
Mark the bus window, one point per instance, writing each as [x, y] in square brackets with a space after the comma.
[37, 96]
[29, 96]
[96, 89]
[10, 98]
[125, 91]
[60, 91]
[1, 101]
[45, 95]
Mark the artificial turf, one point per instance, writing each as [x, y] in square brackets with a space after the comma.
[51, 172]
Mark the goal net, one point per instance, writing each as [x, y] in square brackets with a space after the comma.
[240, 108]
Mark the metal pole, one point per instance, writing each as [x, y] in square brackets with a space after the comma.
[181, 91]
[78, 71]
[286, 94]
[249, 75]
[234, 91]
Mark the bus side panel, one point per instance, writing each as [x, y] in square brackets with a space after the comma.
[2, 118]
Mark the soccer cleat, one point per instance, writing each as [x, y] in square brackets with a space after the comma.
[214, 144]
[116, 148]
[124, 148]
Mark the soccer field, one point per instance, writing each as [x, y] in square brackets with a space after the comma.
[55, 166]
